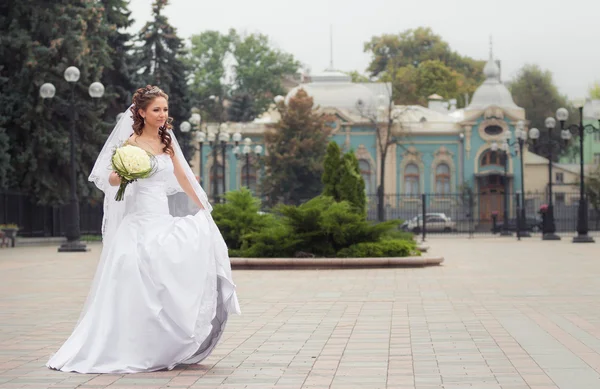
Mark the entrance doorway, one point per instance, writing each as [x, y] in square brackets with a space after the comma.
[491, 197]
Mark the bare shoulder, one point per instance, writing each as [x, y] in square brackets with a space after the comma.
[131, 139]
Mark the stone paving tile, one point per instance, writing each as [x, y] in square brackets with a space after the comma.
[499, 314]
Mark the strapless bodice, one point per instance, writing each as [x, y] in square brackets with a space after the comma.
[149, 194]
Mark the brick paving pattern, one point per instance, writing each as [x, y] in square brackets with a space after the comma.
[498, 314]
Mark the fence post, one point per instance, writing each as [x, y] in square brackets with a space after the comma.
[518, 216]
[471, 214]
[424, 210]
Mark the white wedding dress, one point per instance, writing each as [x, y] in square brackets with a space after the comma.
[163, 293]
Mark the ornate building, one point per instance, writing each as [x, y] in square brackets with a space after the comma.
[437, 150]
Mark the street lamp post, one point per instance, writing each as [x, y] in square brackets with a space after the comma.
[582, 209]
[218, 141]
[246, 152]
[505, 147]
[521, 135]
[200, 137]
[549, 225]
[96, 91]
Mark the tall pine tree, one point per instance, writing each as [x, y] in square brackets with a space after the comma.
[159, 60]
[352, 186]
[118, 76]
[342, 179]
[331, 170]
[295, 152]
[40, 40]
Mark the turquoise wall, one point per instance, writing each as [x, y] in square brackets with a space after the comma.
[426, 145]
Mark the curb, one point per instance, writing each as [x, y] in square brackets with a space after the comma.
[332, 263]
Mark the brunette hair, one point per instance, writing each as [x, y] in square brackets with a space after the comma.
[141, 99]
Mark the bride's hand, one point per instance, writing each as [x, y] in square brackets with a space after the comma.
[114, 179]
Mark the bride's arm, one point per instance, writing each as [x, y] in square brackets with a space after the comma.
[184, 182]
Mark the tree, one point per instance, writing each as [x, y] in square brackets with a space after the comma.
[256, 72]
[407, 51]
[208, 54]
[594, 90]
[118, 76]
[534, 90]
[352, 186]
[382, 119]
[40, 40]
[241, 108]
[404, 84]
[295, 154]
[331, 170]
[160, 62]
[259, 69]
[592, 192]
[435, 77]
[342, 179]
[358, 77]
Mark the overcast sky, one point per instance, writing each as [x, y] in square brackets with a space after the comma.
[561, 36]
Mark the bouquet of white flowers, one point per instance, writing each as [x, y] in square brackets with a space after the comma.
[130, 163]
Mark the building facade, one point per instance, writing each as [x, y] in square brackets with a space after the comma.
[438, 150]
[591, 141]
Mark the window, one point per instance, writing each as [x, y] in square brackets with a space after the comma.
[411, 180]
[442, 179]
[365, 171]
[559, 178]
[490, 157]
[596, 159]
[596, 136]
[249, 177]
[216, 179]
[559, 198]
[493, 130]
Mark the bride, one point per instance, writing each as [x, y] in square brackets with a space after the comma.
[163, 287]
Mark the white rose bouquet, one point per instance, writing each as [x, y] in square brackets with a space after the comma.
[131, 163]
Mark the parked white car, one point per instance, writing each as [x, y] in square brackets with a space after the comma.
[435, 222]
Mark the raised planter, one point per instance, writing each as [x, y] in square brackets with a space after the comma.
[10, 233]
[332, 263]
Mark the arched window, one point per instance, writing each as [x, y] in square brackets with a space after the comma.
[411, 180]
[442, 179]
[490, 157]
[216, 180]
[249, 177]
[365, 171]
[493, 130]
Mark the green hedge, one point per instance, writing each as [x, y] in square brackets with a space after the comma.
[321, 227]
[384, 248]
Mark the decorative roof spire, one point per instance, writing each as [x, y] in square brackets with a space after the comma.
[491, 69]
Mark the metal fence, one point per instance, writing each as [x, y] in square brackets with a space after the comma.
[467, 213]
[479, 213]
[45, 221]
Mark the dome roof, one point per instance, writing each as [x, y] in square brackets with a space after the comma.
[336, 90]
[492, 91]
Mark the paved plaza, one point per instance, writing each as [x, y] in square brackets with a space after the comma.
[497, 314]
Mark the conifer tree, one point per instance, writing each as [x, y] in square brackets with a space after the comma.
[295, 152]
[159, 61]
[40, 40]
[118, 77]
[331, 170]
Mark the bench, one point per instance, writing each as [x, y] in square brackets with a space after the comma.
[7, 240]
[3, 239]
